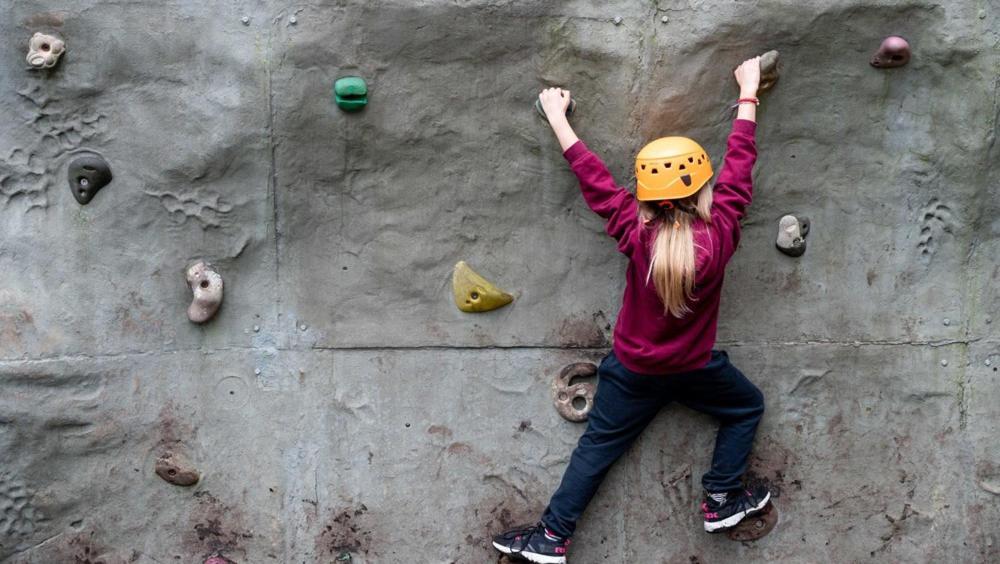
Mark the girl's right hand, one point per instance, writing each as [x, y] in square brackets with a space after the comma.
[555, 101]
[748, 77]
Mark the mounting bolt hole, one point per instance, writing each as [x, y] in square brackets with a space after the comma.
[204, 284]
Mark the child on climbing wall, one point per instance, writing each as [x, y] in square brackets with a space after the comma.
[678, 232]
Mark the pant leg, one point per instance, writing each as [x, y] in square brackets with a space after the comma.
[721, 390]
[624, 405]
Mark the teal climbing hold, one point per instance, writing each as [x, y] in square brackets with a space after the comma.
[350, 93]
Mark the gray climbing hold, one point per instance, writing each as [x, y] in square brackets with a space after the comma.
[618, 20]
[768, 71]
[944, 362]
[44, 51]
[565, 394]
[792, 233]
[946, 322]
[245, 20]
[87, 175]
[206, 287]
[293, 20]
[665, 19]
[541, 111]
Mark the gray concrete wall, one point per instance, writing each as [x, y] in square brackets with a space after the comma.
[340, 404]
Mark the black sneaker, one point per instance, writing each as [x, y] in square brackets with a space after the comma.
[737, 505]
[533, 543]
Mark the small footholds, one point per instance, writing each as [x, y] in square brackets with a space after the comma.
[256, 328]
[176, 469]
[303, 327]
[256, 371]
[894, 52]
[988, 362]
[768, 71]
[618, 20]
[350, 93]
[569, 109]
[475, 294]
[245, 20]
[44, 51]
[755, 526]
[944, 362]
[946, 322]
[665, 19]
[206, 287]
[982, 14]
[87, 174]
[567, 397]
[293, 20]
[792, 233]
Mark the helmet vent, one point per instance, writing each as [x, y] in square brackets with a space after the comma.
[690, 159]
[667, 165]
[643, 167]
[682, 167]
[654, 171]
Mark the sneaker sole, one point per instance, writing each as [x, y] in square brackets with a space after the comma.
[733, 520]
[531, 556]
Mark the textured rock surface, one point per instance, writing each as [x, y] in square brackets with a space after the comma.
[366, 415]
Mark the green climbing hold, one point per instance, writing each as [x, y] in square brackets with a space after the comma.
[350, 93]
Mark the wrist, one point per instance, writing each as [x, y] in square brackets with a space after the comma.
[748, 93]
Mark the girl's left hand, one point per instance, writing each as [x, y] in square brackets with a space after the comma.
[555, 101]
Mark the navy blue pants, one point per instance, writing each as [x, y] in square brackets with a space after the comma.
[626, 402]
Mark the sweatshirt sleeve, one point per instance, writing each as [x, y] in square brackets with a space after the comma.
[613, 203]
[734, 188]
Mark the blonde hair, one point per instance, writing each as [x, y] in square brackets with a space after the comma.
[672, 265]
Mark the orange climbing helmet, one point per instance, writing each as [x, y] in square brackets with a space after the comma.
[671, 168]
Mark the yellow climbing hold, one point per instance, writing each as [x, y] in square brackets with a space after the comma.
[473, 293]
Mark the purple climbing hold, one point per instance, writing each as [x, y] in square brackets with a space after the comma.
[894, 52]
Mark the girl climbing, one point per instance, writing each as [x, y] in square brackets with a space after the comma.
[678, 233]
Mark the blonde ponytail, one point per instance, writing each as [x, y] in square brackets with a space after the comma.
[672, 262]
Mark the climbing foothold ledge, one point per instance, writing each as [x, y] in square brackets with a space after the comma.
[541, 111]
[87, 175]
[350, 93]
[176, 469]
[755, 526]
[792, 233]
[475, 294]
[44, 51]
[768, 71]
[564, 394]
[894, 52]
[206, 285]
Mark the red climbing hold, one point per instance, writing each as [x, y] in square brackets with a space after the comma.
[894, 52]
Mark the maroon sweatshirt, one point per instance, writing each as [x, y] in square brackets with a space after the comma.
[647, 340]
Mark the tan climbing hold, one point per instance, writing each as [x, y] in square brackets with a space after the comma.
[206, 285]
[176, 469]
[768, 71]
[473, 293]
[565, 395]
[44, 51]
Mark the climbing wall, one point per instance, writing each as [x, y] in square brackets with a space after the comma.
[338, 407]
